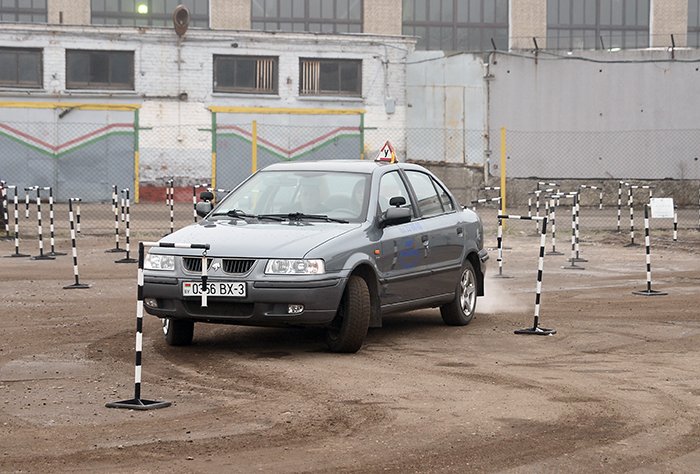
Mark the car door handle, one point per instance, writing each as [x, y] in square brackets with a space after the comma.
[424, 239]
[460, 231]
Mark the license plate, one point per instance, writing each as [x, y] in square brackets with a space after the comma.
[236, 289]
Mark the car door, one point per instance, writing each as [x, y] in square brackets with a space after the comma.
[402, 262]
[442, 232]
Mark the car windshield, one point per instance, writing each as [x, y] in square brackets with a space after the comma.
[337, 195]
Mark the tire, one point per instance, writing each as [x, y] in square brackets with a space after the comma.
[461, 310]
[349, 328]
[178, 332]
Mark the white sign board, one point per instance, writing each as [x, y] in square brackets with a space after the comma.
[662, 208]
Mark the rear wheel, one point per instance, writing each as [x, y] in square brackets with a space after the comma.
[461, 310]
[349, 328]
[178, 332]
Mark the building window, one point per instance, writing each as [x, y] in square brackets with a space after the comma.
[147, 12]
[318, 16]
[23, 11]
[597, 24]
[457, 25]
[248, 74]
[694, 23]
[21, 68]
[339, 77]
[99, 69]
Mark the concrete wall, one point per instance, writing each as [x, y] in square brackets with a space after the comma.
[382, 17]
[528, 19]
[668, 17]
[229, 14]
[68, 12]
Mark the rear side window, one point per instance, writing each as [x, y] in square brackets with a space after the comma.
[430, 203]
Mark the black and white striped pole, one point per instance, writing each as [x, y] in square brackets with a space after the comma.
[77, 285]
[675, 223]
[551, 212]
[536, 329]
[630, 203]
[577, 204]
[16, 215]
[137, 403]
[574, 243]
[52, 233]
[499, 236]
[5, 211]
[26, 200]
[595, 188]
[125, 197]
[619, 204]
[647, 243]
[41, 255]
[169, 200]
[77, 214]
[115, 210]
[194, 198]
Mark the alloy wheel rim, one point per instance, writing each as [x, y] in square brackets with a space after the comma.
[468, 292]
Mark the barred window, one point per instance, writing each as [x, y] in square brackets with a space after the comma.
[23, 11]
[21, 68]
[597, 24]
[147, 12]
[339, 77]
[694, 23]
[248, 74]
[457, 25]
[99, 69]
[318, 16]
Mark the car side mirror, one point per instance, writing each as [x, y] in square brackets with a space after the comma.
[203, 208]
[396, 216]
[206, 196]
[397, 201]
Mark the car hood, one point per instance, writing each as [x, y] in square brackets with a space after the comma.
[238, 238]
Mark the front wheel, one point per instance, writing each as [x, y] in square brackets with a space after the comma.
[349, 328]
[178, 332]
[461, 310]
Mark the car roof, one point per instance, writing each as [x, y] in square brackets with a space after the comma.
[355, 166]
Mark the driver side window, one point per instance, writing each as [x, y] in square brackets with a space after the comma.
[391, 186]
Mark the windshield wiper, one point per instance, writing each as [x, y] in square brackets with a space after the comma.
[297, 216]
[237, 213]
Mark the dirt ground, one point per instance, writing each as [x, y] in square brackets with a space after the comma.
[617, 389]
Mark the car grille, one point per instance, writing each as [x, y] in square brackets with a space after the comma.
[194, 264]
[237, 265]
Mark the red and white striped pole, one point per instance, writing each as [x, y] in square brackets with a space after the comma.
[77, 285]
[137, 403]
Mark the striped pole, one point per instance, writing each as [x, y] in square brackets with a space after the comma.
[77, 285]
[630, 203]
[577, 202]
[77, 214]
[170, 197]
[53, 252]
[137, 403]
[619, 204]
[126, 200]
[16, 215]
[41, 255]
[5, 212]
[194, 198]
[572, 259]
[675, 223]
[647, 243]
[596, 188]
[536, 329]
[26, 201]
[499, 236]
[551, 211]
[115, 209]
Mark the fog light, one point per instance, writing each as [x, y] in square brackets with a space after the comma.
[151, 302]
[295, 309]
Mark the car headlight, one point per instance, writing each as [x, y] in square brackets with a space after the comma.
[154, 261]
[295, 267]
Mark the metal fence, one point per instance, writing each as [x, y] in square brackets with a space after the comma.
[86, 161]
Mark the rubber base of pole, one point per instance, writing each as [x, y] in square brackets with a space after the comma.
[502, 276]
[126, 260]
[17, 255]
[76, 286]
[43, 257]
[56, 254]
[632, 244]
[573, 266]
[579, 259]
[536, 331]
[138, 404]
[115, 250]
[8, 237]
[554, 252]
[650, 293]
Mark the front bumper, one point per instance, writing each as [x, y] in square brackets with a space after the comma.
[266, 302]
